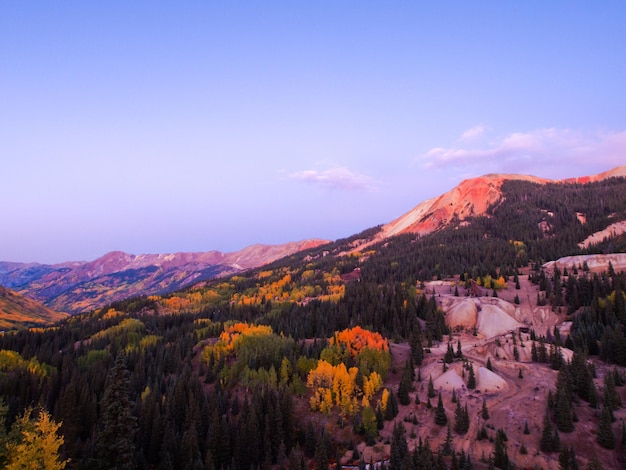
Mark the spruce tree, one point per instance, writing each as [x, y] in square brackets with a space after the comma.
[446, 447]
[441, 418]
[115, 441]
[461, 419]
[485, 411]
[471, 381]
[500, 455]
[459, 351]
[400, 456]
[563, 411]
[431, 388]
[546, 443]
[606, 438]
[406, 383]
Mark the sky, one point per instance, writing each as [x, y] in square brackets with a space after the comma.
[161, 127]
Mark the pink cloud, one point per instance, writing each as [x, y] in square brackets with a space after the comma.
[336, 178]
[549, 146]
[473, 133]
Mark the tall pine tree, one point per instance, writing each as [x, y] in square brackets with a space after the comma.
[116, 438]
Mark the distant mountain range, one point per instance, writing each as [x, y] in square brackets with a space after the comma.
[75, 287]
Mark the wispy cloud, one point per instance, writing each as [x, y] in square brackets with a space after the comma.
[473, 133]
[549, 146]
[337, 177]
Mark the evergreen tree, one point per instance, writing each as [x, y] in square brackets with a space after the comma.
[489, 365]
[392, 406]
[449, 356]
[500, 455]
[431, 388]
[485, 411]
[563, 411]
[116, 439]
[446, 447]
[471, 381]
[417, 351]
[546, 442]
[406, 383]
[461, 419]
[610, 397]
[606, 438]
[400, 458]
[441, 418]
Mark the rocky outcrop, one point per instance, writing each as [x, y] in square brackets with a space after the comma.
[595, 263]
[470, 198]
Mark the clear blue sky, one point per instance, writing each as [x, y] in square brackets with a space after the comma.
[155, 127]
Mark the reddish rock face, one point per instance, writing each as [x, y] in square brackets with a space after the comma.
[471, 197]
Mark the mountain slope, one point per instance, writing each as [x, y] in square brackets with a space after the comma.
[81, 286]
[18, 311]
[472, 197]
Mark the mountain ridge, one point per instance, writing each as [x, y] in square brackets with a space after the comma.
[471, 197]
[76, 286]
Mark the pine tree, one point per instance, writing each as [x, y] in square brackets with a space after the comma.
[400, 456]
[546, 443]
[441, 418]
[471, 381]
[610, 396]
[485, 411]
[116, 439]
[431, 388]
[406, 382]
[449, 356]
[500, 455]
[489, 365]
[392, 407]
[606, 438]
[417, 351]
[461, 419]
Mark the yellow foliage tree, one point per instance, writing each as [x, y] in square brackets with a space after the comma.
[384, 400]
[38, 443]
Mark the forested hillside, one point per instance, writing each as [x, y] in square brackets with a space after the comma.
[293, 364]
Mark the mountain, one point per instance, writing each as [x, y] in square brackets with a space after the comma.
[18, 311]
[81, 286]
[472, 197]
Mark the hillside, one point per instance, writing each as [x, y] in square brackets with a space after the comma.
[456, 346]
[82, 286]
[471, 198]
[16, 311]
